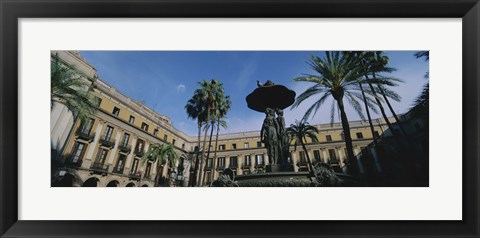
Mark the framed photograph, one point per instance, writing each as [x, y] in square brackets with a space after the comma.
[228, 118]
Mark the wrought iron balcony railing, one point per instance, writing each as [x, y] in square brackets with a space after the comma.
[71, 162]
[233, 166]
[302, 163]
[125, 148]
[139, 153]
[84, 135]
[99, 167]
[118, 170]
[135, 175]
[245, 166]
[259, 165]
[108, 142]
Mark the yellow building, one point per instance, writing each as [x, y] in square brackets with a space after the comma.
[106, 150]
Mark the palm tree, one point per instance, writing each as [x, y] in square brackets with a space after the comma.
[421, 102]
[378, 63]
[299, 132]
[220, 114]
[161, 154]
[71, 90]
[338, 78]
[195, 110]
[211, 92]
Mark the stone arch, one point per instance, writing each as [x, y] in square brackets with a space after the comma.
[131, 184]
[91, 182]
[66, 181]
[113, 183]
[145, 185]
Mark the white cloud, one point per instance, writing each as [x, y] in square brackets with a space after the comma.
[181, 88]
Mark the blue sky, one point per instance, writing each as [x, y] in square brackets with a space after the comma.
[165, 80]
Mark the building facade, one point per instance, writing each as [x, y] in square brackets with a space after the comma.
[107, 149]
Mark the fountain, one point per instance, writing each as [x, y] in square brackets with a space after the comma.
[272, 99]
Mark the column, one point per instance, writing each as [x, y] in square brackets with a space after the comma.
[113, 152]
[294, 161]
[126, 168]
[324, 153]
[93, 145]
[341, 156]
[357, 155]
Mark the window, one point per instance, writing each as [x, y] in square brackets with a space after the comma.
[316, 155]
[147, 170]
[183, 146]
[126, 138]
[134, 166]
[259, 144]
[144, 126]
[329, 138]
[155, 132]
[165, 137]
[234, 146]
[221, 162]
[302, 156]
[221, 147]
[102, 156]
[246, 161]
[116, 111]
[78, 152]
[359, 135]
[98, 101]
[332, 154]
[87, 126]
[140, 145]
[120, 163]
[246, 145]
[233, 162]
[131, 120]
[195, 148]
[173, 141]
[209, 162]
[343, 136]
[376, 134]
[108, 133]
[208, 177]
[259, 160]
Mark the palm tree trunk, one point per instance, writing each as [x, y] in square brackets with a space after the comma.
[308, 156]
[391, 108]
[368, 111]
[193, 181]
[216, 147]
[203, 151]
[208, 153]
[351, 160]
[381, 108]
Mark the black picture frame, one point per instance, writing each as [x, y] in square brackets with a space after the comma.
[11, 11]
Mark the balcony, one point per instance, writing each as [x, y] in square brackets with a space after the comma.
[302, 163]
[233, 166]
[71, 163]
[259, 166]
[125, 148]
[99, 167]
[118, 170]
[84, 135]
[334, 161]
[139, 153]
[220, 167]
[108, 142]
[245, 166]
[135, 175]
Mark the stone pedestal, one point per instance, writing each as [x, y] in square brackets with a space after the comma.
[272, 168]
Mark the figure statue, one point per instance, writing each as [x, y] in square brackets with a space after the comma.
[284, 142]
[268, 135]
